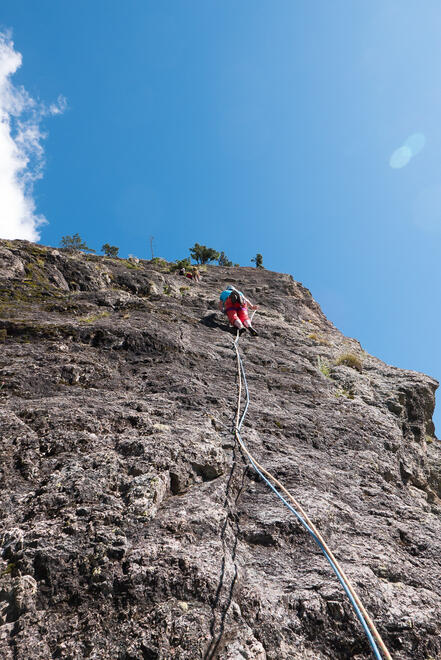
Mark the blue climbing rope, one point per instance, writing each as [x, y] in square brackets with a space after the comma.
[303, 522]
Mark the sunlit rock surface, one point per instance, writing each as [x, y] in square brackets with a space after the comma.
[131, 527]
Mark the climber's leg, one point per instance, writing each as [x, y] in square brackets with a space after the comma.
[234, 319]
[243, 316]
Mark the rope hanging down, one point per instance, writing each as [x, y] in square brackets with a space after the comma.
[297, 510]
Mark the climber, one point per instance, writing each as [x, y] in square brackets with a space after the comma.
[196, 274]
[234, 304]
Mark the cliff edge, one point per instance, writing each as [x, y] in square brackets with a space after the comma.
[131, 527]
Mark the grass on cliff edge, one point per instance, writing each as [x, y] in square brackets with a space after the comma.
[350, 360]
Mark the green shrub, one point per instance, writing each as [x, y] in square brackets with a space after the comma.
[258, 260]
[74, 242]
[161, 264]
[181, 263]
[110, 250]
[350, 360]
[223, 260]
[203, 254]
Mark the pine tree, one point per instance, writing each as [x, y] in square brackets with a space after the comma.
[74, 242]
[258, 260]
[203, 255]
[110, 250]
[223, 260]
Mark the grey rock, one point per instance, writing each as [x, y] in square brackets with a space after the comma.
[131, 526]
[11, 265]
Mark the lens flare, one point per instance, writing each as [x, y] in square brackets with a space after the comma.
[411, 147]
[415, 143]
[400, 158]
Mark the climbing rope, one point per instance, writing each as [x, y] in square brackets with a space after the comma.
[275, 485]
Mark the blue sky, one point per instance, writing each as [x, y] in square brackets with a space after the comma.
[253, 126]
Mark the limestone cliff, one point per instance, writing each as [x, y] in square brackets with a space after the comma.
[131, 527]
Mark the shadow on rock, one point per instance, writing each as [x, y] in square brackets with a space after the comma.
[211, 321]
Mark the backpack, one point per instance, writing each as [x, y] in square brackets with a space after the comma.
[237, 298]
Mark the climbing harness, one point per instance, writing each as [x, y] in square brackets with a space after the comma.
[368, 625]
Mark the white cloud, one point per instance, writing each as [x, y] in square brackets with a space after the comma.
[21, 151]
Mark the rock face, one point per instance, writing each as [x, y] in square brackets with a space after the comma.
[132, 528]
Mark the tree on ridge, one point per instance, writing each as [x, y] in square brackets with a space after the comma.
[202, 254]
[74, 242]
